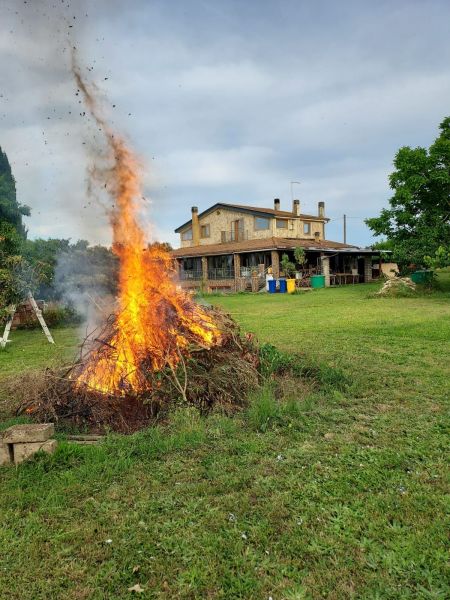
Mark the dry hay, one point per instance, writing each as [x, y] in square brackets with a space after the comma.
[205, 378]
[397, 286]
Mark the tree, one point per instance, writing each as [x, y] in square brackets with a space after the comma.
[300, 256]
[14, 270]
[418, 219]
[10, 210]
[440, 259]
[287, 266]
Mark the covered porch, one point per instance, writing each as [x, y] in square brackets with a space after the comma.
[239, 267]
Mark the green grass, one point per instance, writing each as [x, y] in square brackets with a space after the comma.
[29, 350]
[337, 493]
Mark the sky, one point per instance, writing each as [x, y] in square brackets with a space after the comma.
[223, 101]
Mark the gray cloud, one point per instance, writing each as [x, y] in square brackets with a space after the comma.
[223, 101]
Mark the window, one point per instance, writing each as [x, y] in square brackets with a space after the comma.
[187, 235]
[205, 231]
[282, 224]
[307, 228]
[261, 223]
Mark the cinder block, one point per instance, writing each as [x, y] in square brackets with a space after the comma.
[5, 454]
[24, 451]
[21, 434]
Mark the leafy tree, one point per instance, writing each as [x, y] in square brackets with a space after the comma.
[300, 256]
[287, 266]
[418, 219]
[14, 270]
[71, 269]
[440, 259]
[17, 278]
[10, 210]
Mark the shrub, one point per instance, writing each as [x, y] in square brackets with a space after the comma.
[55, 316]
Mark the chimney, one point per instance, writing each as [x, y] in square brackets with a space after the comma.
[276, 204]
[195, 227]
[296, 208]
[321, 206]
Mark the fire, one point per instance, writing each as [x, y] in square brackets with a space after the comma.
[156, 321]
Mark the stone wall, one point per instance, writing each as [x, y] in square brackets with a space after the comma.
[222, 220]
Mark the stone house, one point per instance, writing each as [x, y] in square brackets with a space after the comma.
[234, 246]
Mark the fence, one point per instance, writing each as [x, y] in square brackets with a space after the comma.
[197, 275]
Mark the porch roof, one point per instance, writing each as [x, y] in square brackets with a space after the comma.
[261, 245]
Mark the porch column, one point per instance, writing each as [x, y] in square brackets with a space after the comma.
[367, 269]
[326, 270]
[237, 265]
[204, 268]
[275, 259]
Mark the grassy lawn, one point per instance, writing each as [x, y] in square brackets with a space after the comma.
[341, 494]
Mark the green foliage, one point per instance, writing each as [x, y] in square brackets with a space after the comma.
[440, 260]
[55, 316]
[287, 266]
[17, 278]
[418, 219]
[300, 256]
[10, 210]
[75, 268]
[15, 272]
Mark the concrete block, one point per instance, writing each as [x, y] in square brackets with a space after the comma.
[26, 450]
[21, 434]
[5, 454]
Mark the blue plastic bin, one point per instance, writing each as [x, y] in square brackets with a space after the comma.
[272, 286]
[283, 286]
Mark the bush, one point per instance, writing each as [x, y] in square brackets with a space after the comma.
[55, 316]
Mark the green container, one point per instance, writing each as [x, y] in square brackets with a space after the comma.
[317, 281]
[422, 276]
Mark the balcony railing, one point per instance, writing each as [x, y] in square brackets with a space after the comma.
[221, 273]
[249, 271]
[233, 236]
[197, 275]
[191, 275]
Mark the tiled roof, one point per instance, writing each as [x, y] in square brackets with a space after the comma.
[255, 210]
[272, 243]
[272, 211]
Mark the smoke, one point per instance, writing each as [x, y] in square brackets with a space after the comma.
[86, 279]
[113, 168]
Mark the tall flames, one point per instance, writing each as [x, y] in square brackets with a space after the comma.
[155, 321]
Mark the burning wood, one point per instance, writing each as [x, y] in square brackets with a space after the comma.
[203, 377]
[156, 322]
[160, 347]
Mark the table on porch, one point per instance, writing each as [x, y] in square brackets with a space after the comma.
[343, 278]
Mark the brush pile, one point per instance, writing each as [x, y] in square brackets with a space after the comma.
[397, 286]
[205, 378]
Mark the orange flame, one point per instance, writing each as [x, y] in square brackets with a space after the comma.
[155, 320]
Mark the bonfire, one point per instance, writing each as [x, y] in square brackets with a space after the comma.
[159, 346]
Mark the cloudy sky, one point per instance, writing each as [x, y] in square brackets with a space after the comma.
[223, 101]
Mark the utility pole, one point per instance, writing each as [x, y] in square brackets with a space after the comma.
[345, 229]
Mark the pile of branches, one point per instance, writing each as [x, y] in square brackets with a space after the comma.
[221, 376]
[397, 286]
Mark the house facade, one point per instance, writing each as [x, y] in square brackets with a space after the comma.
[234, 247]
